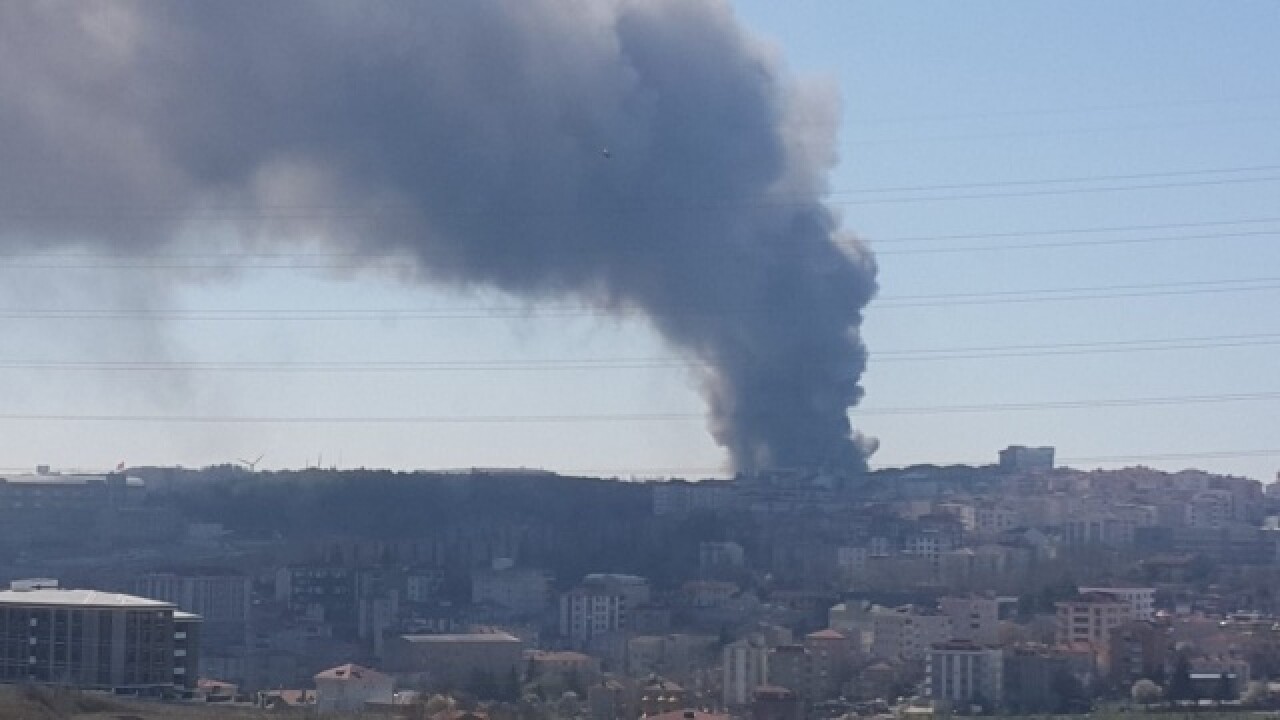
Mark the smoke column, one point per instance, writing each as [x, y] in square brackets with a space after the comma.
[641, 156]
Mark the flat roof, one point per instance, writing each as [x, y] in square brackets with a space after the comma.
[81, 598]
[462, 638]
[58, 479]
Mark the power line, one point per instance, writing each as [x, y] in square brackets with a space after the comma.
[642, 363]
[1097, 292]
[228, 261]
[348, 212]
[638, 417]
[1065, 111]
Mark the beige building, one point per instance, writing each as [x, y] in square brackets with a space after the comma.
[348, 688]
[907, 632]
[1088, 619]
[567, 665]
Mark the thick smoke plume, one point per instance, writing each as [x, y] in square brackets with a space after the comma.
[640, 155]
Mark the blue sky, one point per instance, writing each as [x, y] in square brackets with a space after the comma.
[990, 97]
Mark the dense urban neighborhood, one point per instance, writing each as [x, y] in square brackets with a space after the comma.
[1020, 587]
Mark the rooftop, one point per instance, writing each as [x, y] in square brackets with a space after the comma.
[350, 671]
[462, 638]
[59, 479]
[82, 598]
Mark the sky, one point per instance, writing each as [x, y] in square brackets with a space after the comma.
[1134, 143]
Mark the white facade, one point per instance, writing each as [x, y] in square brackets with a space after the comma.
[962, 674]
[347, 688]
[906, 632]
[1141, 601]
[522, 590]
[1210, 509]
[746, 667]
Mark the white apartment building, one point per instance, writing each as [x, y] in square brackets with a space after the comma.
[1210, 509]
[906, 632]
[746, 667]
[348, 688]
[852, 562]
[962, 673]
[1141, 601]
[600, 605]
[520, 590]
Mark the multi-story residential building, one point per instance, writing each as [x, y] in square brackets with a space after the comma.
[679, 497]
[789, 668]
[851, 563]
[87, 638]
[567, 665]
[222, 599]
[599, 605]
[1018, 458]
[320, 592]
[708, 593]
[963, 673]
[907, 632]
[1136, 649]
[1089, 618]
[422, 585]
[714, 557]
[746, 667]
[831, 659]
[975, 618]
[524, 591]
[440, 661]
[1210, 509]
[1141, 600]
[1032, 679]
[47, 490]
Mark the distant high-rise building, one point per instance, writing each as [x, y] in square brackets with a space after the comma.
[1019, 458]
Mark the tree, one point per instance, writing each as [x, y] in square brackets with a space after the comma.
[1180, 688]
[1145, 692]
[1224, 691]
[1068, 692]
[1256, 695]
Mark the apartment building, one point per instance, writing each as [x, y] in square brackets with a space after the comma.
[1089, 618]
[907, 632]
[962, 673]
[92, 639]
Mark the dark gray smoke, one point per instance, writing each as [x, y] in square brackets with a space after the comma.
[640, 155]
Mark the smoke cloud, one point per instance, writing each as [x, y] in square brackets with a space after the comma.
[639, 155]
